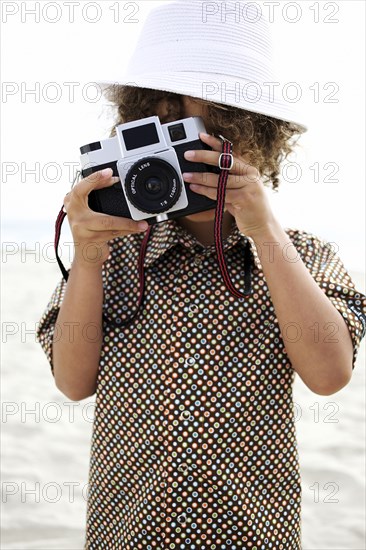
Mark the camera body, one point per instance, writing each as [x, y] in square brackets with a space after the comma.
[148, 157]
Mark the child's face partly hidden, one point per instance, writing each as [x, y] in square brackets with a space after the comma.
[191, 108]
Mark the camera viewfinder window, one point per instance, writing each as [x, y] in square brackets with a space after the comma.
[141, 136]
[177, 132]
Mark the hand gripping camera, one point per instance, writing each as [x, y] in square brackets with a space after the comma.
[148, 157]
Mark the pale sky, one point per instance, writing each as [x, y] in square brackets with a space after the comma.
[323, 51]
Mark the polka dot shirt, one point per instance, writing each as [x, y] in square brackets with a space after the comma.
[194, 442]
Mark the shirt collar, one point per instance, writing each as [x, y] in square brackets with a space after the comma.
[168, 234]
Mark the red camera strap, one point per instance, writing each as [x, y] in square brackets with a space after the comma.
[60, 218]
[225, 163]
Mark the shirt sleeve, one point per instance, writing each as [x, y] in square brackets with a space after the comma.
[47, 324]
[329, 272]
[119, 291]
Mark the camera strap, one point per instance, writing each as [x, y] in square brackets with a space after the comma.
[226, 162]
[60, 218]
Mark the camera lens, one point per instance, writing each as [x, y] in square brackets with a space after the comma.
[152, 185]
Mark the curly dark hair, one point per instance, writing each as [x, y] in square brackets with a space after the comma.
[266, 141]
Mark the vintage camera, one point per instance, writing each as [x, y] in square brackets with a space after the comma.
[149, 159]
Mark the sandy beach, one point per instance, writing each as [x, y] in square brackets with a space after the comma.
[46, 438]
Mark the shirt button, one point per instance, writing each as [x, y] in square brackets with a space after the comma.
[185, 415]
[183, 468]
[193, 308]
[198, 261]
[182, 518]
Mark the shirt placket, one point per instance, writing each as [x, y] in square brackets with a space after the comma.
[175, 468]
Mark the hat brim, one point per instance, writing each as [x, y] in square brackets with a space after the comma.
[227, 91]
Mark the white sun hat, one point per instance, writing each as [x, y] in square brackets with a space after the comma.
[216, 51]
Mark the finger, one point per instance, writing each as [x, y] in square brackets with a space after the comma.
[201, 155]
[211, 180]
[213, 158]
[103, 222]
[97, 180]
[240, 167]
[232, 196]
[212, 141]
